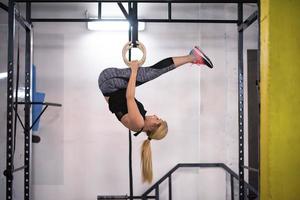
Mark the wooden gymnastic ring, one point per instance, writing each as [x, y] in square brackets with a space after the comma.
[128, 46]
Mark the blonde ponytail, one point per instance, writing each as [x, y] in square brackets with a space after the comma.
[146, 161]
[146, 154]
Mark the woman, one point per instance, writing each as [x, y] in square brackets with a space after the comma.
[118, 87]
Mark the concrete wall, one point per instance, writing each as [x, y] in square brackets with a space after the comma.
[84, 149]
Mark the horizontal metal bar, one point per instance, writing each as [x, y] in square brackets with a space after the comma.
[251, 168]
[42, 103]
[252, 18]
[9, 173]
[122, 197]
[201, 165]
[140, 1]
[49, 104]
[20, 168]
[188, 21]
[72, 20]
[140, 20]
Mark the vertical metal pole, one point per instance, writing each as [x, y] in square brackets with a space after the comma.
[16, 96]
[99, 10]
[258, 88]
[241, 103]
[170, 11]
[134, 24]
[10, 86]
[157, 192]
[129, 31]
[231, 187]
[130, 136]
[130, 167]
[27, 117]
[170, 187]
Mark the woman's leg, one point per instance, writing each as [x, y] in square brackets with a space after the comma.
[146, 74]
[181, 60]
[113, 79]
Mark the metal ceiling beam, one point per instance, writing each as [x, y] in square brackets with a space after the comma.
[212, 21]
[140, 1]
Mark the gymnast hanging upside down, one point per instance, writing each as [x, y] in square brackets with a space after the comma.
[118, 87]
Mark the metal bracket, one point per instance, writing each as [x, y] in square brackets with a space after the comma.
[126, 15]
[39, 116]
[252, 18]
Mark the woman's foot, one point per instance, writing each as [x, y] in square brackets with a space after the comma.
[200, 57]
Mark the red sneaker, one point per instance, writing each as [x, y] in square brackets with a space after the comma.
[201, 58]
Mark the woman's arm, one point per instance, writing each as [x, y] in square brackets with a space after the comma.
[135, 119]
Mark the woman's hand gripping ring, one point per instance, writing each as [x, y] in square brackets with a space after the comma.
[128, 46]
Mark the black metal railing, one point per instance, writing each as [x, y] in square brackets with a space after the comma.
[168, 176]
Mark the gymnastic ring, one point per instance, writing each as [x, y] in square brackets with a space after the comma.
[128, 46]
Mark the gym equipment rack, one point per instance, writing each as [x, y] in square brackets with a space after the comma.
[26, 23]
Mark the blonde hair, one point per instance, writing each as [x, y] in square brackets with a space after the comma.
[146, 155]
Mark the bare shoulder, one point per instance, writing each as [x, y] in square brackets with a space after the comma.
[125, 120]
[128, 124]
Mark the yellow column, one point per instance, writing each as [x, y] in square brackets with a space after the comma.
[280, 100]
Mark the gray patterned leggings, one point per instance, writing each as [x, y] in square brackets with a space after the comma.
[113, 79]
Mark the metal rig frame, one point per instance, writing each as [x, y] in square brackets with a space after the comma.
[14, 15]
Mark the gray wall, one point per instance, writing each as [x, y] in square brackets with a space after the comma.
[84, 149]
